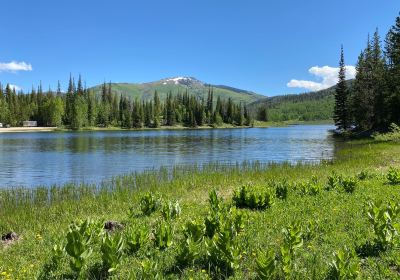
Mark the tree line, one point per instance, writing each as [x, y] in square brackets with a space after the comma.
[80, 107]
[372, 102]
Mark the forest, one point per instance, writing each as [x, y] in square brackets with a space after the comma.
[80, 107]
[372, 102]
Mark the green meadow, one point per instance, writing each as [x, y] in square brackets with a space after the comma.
[333, 220]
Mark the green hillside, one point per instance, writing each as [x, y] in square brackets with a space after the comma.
[303, 107]
[145, 91]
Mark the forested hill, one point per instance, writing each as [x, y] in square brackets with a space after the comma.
[145, 91]
[303, 107]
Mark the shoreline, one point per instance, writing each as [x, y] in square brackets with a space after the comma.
[258, 124]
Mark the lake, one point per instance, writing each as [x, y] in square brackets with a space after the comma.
[48, 158]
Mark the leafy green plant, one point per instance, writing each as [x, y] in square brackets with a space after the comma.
[281, 189]
[343, 266]
[310, 230]
[393, 176]
[292, 241]
[365, 174]
[252, 197]
[171, 210]
[112, 248]
[309, 188]
[135, 238]
[163, 234]
[188, 251]
[382, 217]
[333, 182]
[266, 265]
[194, 230]
[212, 220]
[78, 247]
[149, 270]
[223, 251]
[348, 184]
[149, 203]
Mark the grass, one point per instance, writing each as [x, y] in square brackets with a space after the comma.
[42, 217]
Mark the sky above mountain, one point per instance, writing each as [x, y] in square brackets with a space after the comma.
[269, 47]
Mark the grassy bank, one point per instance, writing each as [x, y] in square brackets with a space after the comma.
[319, 218]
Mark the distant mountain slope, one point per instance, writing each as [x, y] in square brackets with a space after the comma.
[304, 107]
[145, 91]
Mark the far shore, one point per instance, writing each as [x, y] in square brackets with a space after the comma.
[27, 129]
[257, 124]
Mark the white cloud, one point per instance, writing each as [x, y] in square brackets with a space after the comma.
[327, 75]
[17, 88]
[15, 66]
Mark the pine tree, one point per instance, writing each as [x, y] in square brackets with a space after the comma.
[381, 110]
[341, 115]
[392, 53]
[157, 109]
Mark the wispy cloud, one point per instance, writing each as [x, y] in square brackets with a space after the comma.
[15, 66]
[17, 88]
[329, 76]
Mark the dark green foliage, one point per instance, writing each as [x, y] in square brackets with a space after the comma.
[112, 248]
[266, 268]
[253, 197]
[341, 114]
[150, 203]
[79, 108]
[383, 219]
[135, 238]
[163, 234]
[393, 176]
[344, 265]
[281, 189]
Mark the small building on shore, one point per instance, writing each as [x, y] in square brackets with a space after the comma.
[1, 125]
[29, 123]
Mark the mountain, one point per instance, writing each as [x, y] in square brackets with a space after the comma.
[145, 91]
[309, 106]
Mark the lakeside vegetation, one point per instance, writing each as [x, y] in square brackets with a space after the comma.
[171, 227]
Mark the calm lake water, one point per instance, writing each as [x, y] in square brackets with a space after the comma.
[32, 159]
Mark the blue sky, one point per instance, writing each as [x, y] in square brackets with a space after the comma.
[256, 45]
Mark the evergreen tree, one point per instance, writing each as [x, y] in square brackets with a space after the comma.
[392, 53]
[341, 114]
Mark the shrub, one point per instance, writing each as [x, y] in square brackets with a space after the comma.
[393, 176]
[112, 248]
[252, 197]
[149, 203]
[342, 267]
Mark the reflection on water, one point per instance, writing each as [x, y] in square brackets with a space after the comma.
[31, 159]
